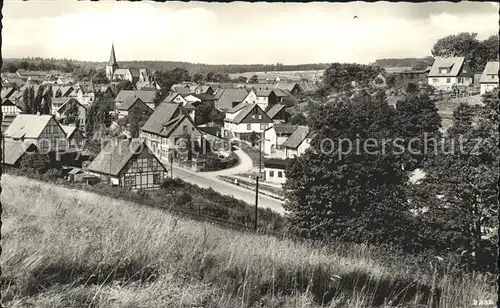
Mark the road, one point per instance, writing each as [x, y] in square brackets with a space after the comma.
[225, 188]
[209, 179]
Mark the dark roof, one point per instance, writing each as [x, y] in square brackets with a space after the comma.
[308, 86]
[285, 86]
[226, 97]
[13, 150]
[115, 155]
[238, 107]
[296, 139]
[261, 92]
[491, 68]
[7, 92]
[275, 110]
[246, 111]
[205, 97]
[284, 129]
[276, 162]
[455, 63]
[163, 113]
[145, 96]
[129, 102]
[181, 89]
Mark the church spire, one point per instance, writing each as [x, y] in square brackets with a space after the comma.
[112, 57]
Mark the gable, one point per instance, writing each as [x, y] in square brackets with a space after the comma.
[256, 115]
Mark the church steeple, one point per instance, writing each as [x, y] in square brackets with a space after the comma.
[112, 57]
[112, 65]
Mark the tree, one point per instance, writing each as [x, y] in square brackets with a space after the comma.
[197, 78]
[339, 77]
[254, 79]
[29, 100]
[391, 80]
[97, 116]
[47, 100]
[465, 44]
[418, 119]
[124, 85]
[38, 99]
[242, 79]
[298, 119]
[167, 79]
[253, 138]
[34, 162]
[411, 88]
[336, 192]
[71, 114]
[202, 112]
[465, 178]
[217, 116]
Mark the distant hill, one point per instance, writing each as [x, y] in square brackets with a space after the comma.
[403, 62]
[169, 65]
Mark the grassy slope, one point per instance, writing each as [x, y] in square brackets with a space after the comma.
[63, 248]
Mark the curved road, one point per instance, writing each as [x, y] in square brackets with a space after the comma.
[209, 179]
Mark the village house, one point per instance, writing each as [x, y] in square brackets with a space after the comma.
[274, 137]
[58, 102]
[293, 88]
[274, 170]
[278, 113]
[226, 99]
[241, 121]
[446, 72]
[14, 151]
[489, 77]
[162, 131]
[147, 97]
[128, 163]
[70, 105]
[295, 145]
[132, 104]
[298, 142]
[263, 98]
[42, 130]
[9, 107]
[182, 99]
[74, 136]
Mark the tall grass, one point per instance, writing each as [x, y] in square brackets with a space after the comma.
[67, 248]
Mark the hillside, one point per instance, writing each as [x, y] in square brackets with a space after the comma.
[63, 248]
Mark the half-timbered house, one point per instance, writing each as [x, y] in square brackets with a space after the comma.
[128, 163]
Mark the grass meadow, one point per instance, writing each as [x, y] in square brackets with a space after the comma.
[67, 248]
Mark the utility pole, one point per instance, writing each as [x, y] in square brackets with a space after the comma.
[256, 203]
[171, 165]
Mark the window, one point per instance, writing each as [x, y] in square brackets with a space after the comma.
[156, 178]
[492, 76]
[249, 126]
[185, 128]
[129, 180]
[436, 80]
[448, 80]
[260, 117]
[271, 174]
[280, 174]
[263, 126]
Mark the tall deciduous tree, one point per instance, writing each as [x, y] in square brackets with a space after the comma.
[47, 100]
[29, 100]
[197, 78]
[418, 120]
[339, 77]
[337, 190]
[464, 176]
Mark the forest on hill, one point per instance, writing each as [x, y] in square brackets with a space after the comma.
[162, 65]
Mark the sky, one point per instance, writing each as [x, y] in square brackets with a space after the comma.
[237, 32]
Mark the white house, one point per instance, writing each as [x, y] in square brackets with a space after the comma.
[186, 101]
[489, 77]
[446, 72]
[263, 98]
[244, 119]
[9, 107]
[295, 145]
[274, 137]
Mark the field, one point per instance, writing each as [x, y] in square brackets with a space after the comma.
[291, 75]
[63, 248]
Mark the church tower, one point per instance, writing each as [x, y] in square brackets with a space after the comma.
[112, 65]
